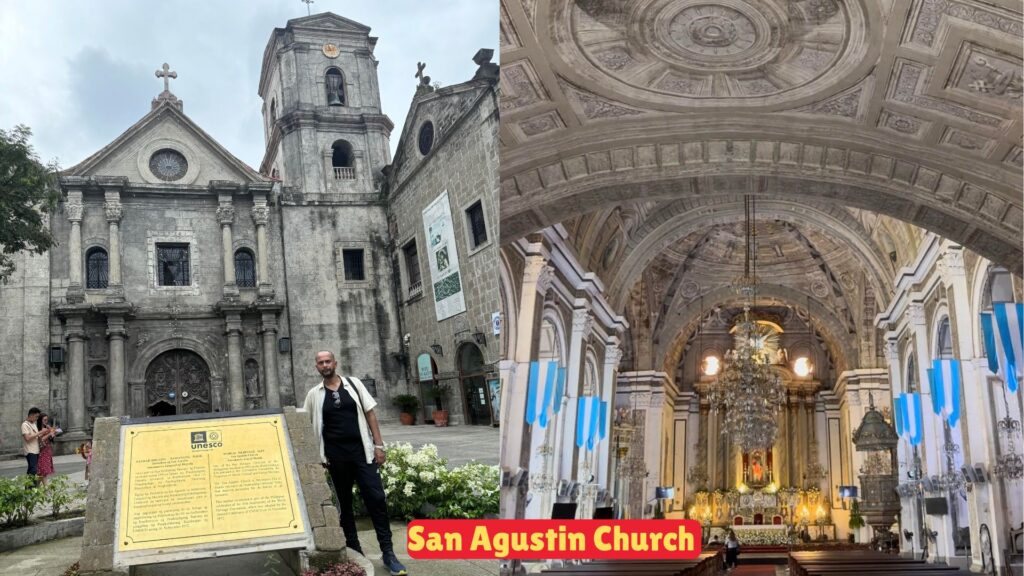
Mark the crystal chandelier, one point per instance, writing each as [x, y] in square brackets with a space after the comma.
[746, 389]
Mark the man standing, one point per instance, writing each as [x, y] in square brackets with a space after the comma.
[30, 440]
[351, 448]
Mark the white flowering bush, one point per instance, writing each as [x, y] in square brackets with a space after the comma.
[419, 483]
[469, 491]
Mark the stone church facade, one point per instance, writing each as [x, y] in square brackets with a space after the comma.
[185, 281]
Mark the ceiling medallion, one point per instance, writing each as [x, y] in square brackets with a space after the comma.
[715, 49]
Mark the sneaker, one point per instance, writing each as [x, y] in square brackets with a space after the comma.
[393, 565]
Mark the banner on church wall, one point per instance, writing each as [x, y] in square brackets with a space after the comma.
[443, 255]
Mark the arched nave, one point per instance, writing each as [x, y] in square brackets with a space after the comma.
[879, 144]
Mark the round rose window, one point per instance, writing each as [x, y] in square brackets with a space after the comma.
[168, 165]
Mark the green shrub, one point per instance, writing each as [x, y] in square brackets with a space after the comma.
[406, 403]
[60, 492]
[19, 499]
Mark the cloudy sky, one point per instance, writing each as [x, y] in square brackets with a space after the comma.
[79, 73]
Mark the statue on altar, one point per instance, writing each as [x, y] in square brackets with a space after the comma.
[757, 468]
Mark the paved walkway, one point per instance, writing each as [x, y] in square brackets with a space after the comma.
[459, 444]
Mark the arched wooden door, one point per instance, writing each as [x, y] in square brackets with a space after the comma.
[472, 375]
[177, 382]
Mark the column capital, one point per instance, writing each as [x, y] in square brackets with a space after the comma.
[73, 210]
[915, 313]
[582, 322]
[226, 214]
[261, 214]
[612, 355]
[113, 211]
[952, 262]
[892, 350]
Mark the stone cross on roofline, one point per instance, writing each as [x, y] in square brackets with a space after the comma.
[307, 3]
[166, 73]
[424, 85]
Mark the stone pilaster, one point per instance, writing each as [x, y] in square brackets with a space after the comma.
[232, 312]
[114, 212]
[226, 217]
[516, 436]
[269, 335]
[612, 357]
[74, 331]
[261, 216]
[74, 210]
[117, 388]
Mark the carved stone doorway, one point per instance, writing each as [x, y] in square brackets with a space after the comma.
[177, 382]
[472, 375]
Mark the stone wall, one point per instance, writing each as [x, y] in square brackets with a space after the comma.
[24, 332]
[463, 161]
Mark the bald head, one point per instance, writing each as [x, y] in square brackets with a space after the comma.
[326, 364]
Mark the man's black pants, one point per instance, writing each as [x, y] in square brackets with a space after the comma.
[367, 477]
[33, 464]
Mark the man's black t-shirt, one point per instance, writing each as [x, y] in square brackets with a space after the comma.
[342, 441]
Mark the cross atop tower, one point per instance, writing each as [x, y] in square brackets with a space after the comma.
[307, 3]
[166, 74]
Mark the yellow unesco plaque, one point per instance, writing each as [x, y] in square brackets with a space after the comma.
[206, 481]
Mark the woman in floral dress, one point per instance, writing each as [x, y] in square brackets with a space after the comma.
[45, 448]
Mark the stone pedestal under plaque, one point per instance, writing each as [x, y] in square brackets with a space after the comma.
[185, 490]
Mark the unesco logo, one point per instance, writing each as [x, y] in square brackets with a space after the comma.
[206, 439]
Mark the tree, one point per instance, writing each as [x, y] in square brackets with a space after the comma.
[27, 191]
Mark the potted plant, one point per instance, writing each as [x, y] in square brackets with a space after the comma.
[439, 392]
[856, 520]
[407, 405]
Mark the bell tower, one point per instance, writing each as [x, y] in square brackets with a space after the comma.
[325, 132]
[327, 143]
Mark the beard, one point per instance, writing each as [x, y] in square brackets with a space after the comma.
[327, 373]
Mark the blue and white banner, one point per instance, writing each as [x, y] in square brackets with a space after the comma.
[587, 417]
[604, 420]
[946, 388]
[936, 395]
[539, 396]
[898, 415]
[913, 421]
[1009, 339]
[559, 389]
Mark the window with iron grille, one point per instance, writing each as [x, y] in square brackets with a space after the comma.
[477, 225]
[173, 265]
[245, 269]
[96, 268]
[412, 266]
[353, 262]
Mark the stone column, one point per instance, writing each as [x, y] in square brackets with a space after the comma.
[612, 357]
[809, 456]
[73, 208]
[515, 435]
[116, 387]
[226, 217]
[261, 216]
[269, 335]
[235, 386]
[114, 211]
[565, 441]
[782, 453]
[934, 435]
[794, 471]
[75, 333]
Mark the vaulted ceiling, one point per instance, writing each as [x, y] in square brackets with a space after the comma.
[857, 124]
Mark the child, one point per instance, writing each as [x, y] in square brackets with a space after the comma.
[85, 451]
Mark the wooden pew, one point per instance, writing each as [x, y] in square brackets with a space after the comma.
[863, 563]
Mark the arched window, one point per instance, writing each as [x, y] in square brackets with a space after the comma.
[96, 267]
[944, 341]
[335, 84]
[245, 269]
[342, 161]
[273, 110]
